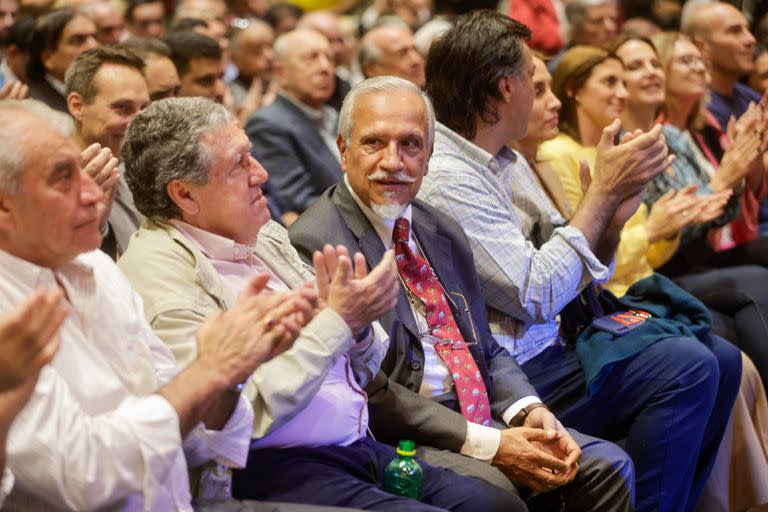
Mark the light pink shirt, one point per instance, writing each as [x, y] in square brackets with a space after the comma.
[338, 414]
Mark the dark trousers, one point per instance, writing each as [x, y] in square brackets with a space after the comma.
[699, 257]
[670, 403]
[353, 476]
[738, 299]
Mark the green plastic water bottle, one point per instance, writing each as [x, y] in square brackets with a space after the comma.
[403, 475]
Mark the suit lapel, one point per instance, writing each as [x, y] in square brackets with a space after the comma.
[437, 249]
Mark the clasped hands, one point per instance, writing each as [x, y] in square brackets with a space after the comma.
[261, 325]
[541, 454]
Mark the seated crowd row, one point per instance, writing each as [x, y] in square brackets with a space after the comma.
[460, 231]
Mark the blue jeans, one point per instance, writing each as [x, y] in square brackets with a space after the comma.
[670, 403]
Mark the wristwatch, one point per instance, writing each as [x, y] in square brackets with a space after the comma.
[363, 334]
[519, 418]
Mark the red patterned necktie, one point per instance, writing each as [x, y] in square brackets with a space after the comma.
[422, 282]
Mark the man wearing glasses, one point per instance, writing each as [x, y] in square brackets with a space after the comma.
[448, 383]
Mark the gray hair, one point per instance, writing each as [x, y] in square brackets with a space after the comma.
[284, 43]
[12, 157]
[428, 33]
[386, 85]
[162, 144]
[368, 53]
[576, 9]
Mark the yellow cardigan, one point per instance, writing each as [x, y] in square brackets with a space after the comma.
[314, 5]
[635, 257]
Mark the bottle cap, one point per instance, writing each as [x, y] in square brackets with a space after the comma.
[407, 448]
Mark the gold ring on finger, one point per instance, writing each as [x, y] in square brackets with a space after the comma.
[269, 323]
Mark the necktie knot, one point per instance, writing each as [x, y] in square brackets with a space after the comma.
[402, 231]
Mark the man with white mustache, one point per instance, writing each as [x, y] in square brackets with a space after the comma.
[446, 382]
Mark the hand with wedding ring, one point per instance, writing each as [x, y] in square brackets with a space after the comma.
[678, 209]
[269, 323]
[260, 326]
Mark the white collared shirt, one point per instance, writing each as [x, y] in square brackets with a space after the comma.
[57, 84]
[481, 442]
[94, 433]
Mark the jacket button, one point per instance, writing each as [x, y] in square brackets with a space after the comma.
[416, 365]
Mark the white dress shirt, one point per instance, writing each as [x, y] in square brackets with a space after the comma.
[6, 485]
[94, 434]
[481, 442]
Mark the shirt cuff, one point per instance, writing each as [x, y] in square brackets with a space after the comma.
[155, 423]
[228, 446]
[363, 344]
[515, 408]
[366, 355]
[481, 443]
[578, 243]
[6, 485]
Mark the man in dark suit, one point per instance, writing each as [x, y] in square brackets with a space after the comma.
[296, 134]
[440, 343]
[59, 37]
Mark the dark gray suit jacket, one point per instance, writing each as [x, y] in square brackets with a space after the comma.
[43, 91]
[299, 162]
[396, 409]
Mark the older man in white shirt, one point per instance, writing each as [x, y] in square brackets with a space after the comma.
[112, 422]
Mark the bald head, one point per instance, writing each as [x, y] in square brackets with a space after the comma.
[390, 51]
[251, 50]
[304, 67]
[321, 21]
[693, 20]
[110, 24]
[327, 23]
[203, 9]
[722, 33]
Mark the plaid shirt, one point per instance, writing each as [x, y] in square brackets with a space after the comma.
[530, 265]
